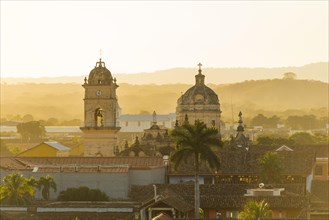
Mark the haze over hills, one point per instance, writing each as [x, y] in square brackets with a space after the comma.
[65, 101]
[314, 71]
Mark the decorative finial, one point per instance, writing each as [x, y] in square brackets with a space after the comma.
[240, 126]
[154, 118]
[200, 65]
[100, 63]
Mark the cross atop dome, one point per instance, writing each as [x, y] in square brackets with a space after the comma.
[200, 65]
[199, 78]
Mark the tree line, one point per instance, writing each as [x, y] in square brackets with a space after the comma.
[45, 122]
[299, 138]
[295, 122]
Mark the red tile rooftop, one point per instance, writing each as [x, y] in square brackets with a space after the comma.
[85, 164]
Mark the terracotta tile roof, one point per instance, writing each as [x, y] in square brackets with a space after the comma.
[91, 204]
[320, 189]
[81, 164]
[167, 196]
[178, 203]
[12, 164]
[133, 162]
[83, 169]
[218, 196]
[236, 162]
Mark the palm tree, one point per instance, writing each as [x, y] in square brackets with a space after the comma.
[15, 190]
[46, 183]
[254, 210]
[196, 141]
[271, 170]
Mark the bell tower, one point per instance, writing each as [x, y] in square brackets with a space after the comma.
[100, 112]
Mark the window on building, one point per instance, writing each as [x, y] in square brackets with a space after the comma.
[139, 124]
[126, 123]
[318, 170]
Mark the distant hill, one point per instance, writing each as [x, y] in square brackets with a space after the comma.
[65, 101]
[314, 71]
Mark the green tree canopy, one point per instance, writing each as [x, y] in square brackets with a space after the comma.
[15, 190]
[254, 210]
[271, 167]
[27, 118]
[196, 142]
[302, 138]
[305, 122]
[82, 193]
[4, 151]
[273, 140]
[261, 120]
[32, 130]
[289, 75]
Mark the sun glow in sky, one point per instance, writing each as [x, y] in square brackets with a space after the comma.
[60, 38]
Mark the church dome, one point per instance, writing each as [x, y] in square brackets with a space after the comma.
[100, 74]
[199, 93]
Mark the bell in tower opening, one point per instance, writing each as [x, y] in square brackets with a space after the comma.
[100, 112]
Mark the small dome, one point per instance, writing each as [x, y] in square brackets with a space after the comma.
[100, 74]
[155, 127]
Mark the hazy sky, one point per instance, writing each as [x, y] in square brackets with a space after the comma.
[57, 38]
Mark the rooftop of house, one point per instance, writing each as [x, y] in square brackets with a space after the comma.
[217, 196]
[81, 164]
[53, 144]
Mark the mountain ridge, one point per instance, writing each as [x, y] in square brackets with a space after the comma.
[313, 71]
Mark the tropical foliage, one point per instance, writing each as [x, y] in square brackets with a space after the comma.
[19, 190]
[254, 210]
[271, 169]
[82, 193]
[45, 184]
[195, 142]
[16, 190]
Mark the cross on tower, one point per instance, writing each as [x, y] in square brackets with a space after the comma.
[200, 65]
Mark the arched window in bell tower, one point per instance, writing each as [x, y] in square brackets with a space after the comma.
[99, 118]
